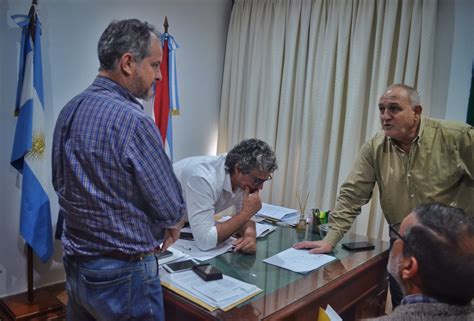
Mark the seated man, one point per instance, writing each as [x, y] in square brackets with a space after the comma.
[432, 260]
[212, 184]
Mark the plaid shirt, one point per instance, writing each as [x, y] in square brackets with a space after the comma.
[115, 184]
[418, 298]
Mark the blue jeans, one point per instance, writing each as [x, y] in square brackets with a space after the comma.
[111, 289]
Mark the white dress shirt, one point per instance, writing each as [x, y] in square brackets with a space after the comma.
[207, 190]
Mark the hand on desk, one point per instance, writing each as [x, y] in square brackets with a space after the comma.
[171, 236]
[317, 247]
[246, 244]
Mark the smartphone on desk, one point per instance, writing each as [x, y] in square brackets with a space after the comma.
[358, 246]
[186, 236]
[179, 266]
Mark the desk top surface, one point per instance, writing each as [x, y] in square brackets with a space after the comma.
[282, 287]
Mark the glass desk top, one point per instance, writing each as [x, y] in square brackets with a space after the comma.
[269, 278]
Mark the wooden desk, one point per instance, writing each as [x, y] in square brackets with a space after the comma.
[355, 285]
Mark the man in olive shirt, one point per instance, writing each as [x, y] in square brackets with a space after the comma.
[413, 160]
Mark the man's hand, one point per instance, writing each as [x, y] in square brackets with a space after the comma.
[246, 244]
[251, 203]
[171, 235]
[317, 247]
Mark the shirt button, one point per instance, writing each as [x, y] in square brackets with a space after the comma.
[412, 195]
[409, 175]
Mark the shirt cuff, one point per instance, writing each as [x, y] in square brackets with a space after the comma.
[332, 238]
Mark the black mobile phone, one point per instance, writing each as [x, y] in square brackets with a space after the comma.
[186, 236]
[207, 272]
[179, 266]
[358, 246]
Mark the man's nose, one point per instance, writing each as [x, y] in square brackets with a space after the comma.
[158, 75]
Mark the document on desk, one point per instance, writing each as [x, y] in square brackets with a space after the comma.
[221, 294]
[300, 261]
[191, 249]
[263, 230]
[279, 213]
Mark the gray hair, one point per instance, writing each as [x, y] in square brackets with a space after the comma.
[131, 35]
[251, 154]
[411, 92]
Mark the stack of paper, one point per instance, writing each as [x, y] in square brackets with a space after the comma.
[221, 294]
[274, 213]
[191, 249]
[300, 261]
[264, 229]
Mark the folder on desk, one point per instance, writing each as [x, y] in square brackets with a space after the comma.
[221, 294]
[279, 214]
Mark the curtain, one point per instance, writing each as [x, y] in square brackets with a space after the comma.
[306, 75]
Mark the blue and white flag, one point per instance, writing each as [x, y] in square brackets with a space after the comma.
[29, 155]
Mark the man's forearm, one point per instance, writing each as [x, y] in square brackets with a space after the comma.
[234, 224]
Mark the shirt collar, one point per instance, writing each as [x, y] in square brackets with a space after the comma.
[109, 84]
[418, 298]
[228, 186]
[417, 137]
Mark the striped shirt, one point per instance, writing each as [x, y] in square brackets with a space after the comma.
[115, 184]
[418, 298]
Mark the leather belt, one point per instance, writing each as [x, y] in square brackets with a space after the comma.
[128, 257]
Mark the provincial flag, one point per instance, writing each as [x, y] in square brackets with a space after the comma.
[166, 101]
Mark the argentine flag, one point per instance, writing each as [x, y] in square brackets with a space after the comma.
[29, 155]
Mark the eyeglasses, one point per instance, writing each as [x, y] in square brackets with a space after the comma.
[393, 228]
[257, 181]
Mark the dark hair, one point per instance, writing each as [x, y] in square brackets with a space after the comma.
[443, 244]
[123, 36]
[251, 154]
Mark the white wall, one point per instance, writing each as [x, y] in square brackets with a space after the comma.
[71, 29]
[454, 55]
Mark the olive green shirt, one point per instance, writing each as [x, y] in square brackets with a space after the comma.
[438, 168]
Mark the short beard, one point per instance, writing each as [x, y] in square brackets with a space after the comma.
[393, 267]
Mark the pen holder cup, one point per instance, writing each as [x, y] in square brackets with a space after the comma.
[323, 230]
[316, 224]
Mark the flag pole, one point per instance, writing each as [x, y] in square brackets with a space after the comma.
[29, 260]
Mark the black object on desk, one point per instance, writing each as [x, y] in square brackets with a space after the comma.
[207, 272]
[186, 236]
[358, 246]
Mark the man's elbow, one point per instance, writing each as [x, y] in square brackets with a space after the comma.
[203, 244]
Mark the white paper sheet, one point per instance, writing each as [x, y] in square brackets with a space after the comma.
[190, 248]
[264, 229]
[277, 212]
[231, 290]
[299, 260]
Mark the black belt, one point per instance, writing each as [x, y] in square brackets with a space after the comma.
[129, 257]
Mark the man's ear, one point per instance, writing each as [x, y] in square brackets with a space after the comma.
[409, 268]
[418, 110]
[126, 63]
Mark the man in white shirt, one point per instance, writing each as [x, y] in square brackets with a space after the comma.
[212, 184]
